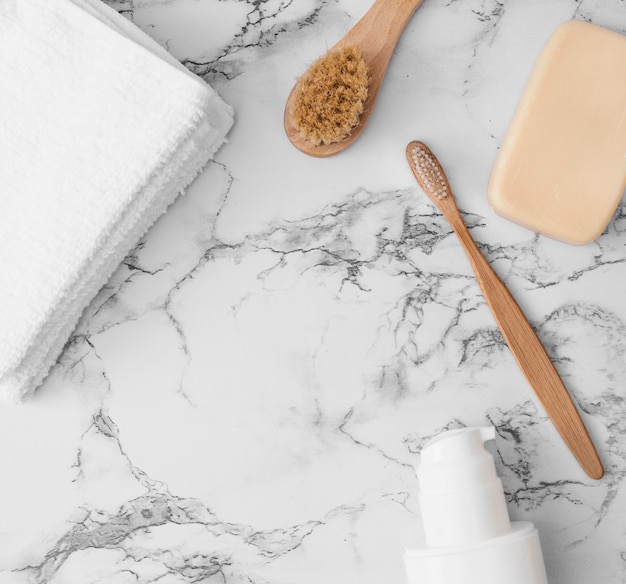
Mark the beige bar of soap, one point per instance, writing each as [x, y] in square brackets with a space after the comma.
[561, 170]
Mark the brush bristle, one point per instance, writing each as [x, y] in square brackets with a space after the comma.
[428, 171]
[329, 97]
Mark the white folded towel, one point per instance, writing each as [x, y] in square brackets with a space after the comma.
[100, 130]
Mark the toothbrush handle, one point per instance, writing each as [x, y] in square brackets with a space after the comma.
[532, 358]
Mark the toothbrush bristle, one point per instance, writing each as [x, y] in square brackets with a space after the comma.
[428, 171]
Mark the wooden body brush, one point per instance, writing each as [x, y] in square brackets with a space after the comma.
[519, 335]
[330, 104]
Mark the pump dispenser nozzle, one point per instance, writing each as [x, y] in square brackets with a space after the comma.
[469, 537]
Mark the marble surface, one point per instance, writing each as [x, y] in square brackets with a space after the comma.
[246, 399]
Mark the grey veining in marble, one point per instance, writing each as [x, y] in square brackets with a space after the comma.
[246, 399]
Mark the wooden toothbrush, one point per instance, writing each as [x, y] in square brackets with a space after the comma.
[517, 331]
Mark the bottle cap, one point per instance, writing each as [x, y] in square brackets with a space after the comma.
[457, 460]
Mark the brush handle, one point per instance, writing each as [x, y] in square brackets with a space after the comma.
[377, 33]
[378, 30]
[531, 356]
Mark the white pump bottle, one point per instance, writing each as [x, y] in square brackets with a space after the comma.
[469, 538]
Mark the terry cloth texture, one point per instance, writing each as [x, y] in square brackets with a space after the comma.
[100, 130]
